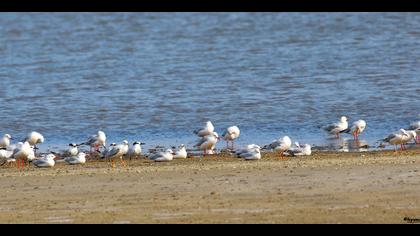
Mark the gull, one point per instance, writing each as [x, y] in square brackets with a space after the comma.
[251, 154]
[181, 153]
[22, 153]
[400, 138]
[46, 161]
[5, 141]
[208, 143]
[206, 130]
[416, 127]
[6, 156]
[246, 149]
[280, 145]
[135, 150]
[357, 128]
[338, 127]
[231, 134]
[117, 152]
[96, 141]
[167, 155]
[306, 150]
[77, 159]
[34, 138]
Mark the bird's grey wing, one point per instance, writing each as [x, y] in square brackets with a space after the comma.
[390, 137]
[112, 152]
[201, 141]
[329, 128]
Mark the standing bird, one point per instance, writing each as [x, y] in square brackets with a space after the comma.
[181, 153]
[34, 138]
[135, 150]
[46, 161]
[96, 141]
[280, 145]
[206, 130]
[357, 128]
[5, 141]
[117, 152]
[167, 155]
[22, 153]
[231, 134]
[208, 143]
[338, 127]
[416, 127]
[77, 159]
[400, 138]
[72, 151]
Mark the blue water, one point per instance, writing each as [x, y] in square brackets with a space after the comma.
[155, 77]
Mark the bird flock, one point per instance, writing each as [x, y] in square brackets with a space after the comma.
[25, 151]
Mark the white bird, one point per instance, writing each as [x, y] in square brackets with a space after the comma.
[338, 127]
[117, 152]
[306, 150]
[34, 138]
[181, 153]
[6, 157]
[400, 138]
[46, 161]
[135, 150]
[78, 159]
[22, 153]
[167, 155]
[208, 143]
[206, 130]
[5, 141]
[356, 129]
[416, 127]
[251, 154]
[230, 134]
[73, 150]
[246, 149]
[280, 145]
[96, 141]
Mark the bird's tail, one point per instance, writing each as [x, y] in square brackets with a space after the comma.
[346, 130]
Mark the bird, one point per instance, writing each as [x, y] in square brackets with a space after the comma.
[117, 152]
[181, 153]
[135, 150]
[416, 127]
[80, 158]
[356, 129]
[306, 150]
[400, 138]
[46, 161]
[336, 128]
[34, 138]
[280, 145]
[167, 155]
[230, 134]
[73, 150]
[208, 143]
[5, 141]
[251, 154]
[246, 149]
[206, 130]
[96, 141]
[22, 153]
[6, 157]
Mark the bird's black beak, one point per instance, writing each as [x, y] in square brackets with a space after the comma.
[142, 143]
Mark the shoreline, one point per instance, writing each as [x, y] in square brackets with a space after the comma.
[327, 187]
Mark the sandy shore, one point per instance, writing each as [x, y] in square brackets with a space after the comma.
[374, 187]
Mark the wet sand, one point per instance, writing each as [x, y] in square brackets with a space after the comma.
[328, 187]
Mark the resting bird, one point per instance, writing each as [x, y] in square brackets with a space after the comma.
[167, 155]
[251, 154]
[306, 150]
[400, 138]
[46, 161]
[338, 127]
[181, 153]
[357, 128]
[280, 145]
[246, 149]
[75, 160]
[230, 135]
[208, 143]
[206, 130]
[96, 141]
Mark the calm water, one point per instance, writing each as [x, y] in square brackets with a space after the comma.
[157, 76]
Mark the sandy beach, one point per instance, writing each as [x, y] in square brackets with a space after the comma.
[328, 187]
